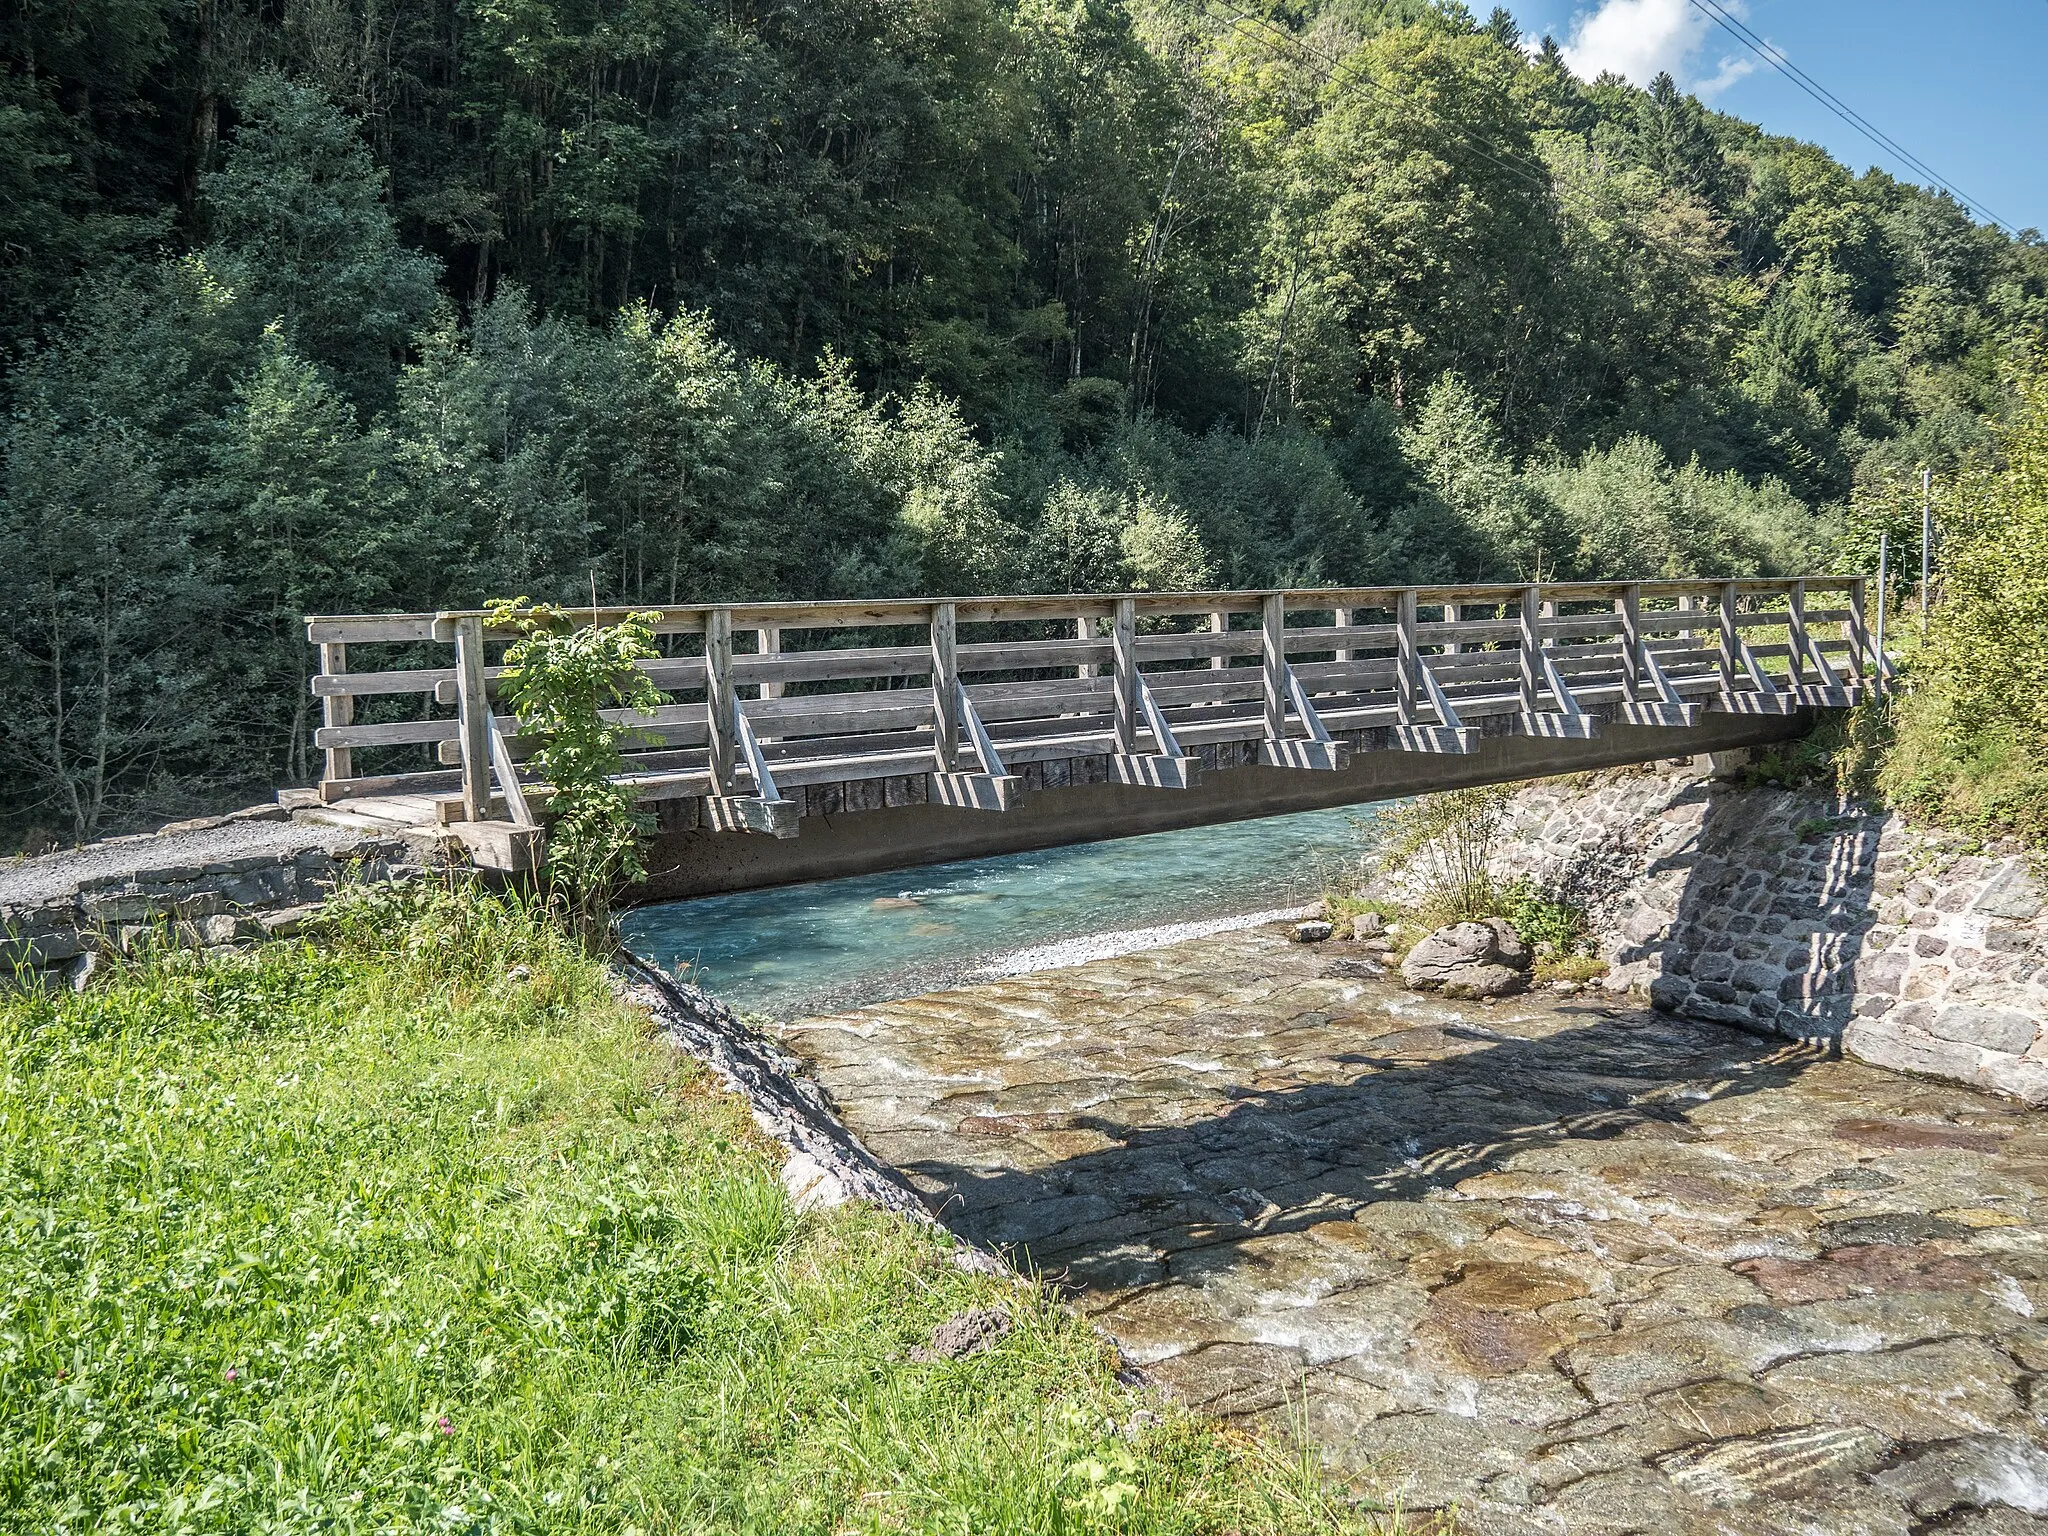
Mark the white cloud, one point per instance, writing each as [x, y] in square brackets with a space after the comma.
[1638, 39]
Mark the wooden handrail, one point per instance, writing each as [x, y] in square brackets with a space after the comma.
[1109, 670]
[690, 618]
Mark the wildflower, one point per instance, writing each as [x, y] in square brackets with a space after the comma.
[231, 1373]
[445, 1424]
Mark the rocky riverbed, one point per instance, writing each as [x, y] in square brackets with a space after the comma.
[1554, 1265]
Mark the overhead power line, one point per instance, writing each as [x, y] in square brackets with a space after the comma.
[1714, 11]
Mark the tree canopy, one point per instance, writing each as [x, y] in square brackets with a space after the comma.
[369, 304]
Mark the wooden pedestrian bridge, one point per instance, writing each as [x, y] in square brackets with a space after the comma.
[806, 740]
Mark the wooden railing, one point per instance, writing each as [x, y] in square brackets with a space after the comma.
[963, 691]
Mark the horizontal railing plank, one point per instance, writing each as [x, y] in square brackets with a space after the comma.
[396, 734]
[368, 627]
[886, 612]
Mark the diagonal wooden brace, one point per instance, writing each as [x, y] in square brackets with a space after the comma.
[763, 811]
[1169, 768]
[1451, 735]
[1762, 697]
[1832, 691]
[995, 788]
[1668, 709]
[1318, 750]
[1569, 722]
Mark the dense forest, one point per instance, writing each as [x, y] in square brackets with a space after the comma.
[342, 305]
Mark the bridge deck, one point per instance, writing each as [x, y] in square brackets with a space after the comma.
[784, 711]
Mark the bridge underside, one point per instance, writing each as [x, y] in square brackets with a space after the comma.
[879, 824]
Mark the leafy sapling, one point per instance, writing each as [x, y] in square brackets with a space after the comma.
[559, 677]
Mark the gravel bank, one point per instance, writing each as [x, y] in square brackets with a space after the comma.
[1129, 941]
[27, 881]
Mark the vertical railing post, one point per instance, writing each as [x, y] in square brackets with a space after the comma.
[1273, 636]
[1452, 615]
[1730, 637]
[1795, 631]
[1341, 617]
[336, 709]
[475, 717]
[771, 645]
[1857, 633]
[945, 688]
[1084, 629]
[1531, 639]
[1124, 641]
[1219, 624]
[719, 697]
[1630, 607]
[1408, 682]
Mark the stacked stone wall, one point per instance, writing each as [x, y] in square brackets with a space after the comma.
[221, 903]
[1796, 913]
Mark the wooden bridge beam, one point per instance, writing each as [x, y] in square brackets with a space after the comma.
[719, 696]
[1795, 629]
[1862, 664]
[1528, 643]
[1731, 637]
[1630, 606]
[1406, 685]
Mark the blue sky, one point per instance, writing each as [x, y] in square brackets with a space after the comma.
[1960, 86]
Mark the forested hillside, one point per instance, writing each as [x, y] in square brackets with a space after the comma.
[328, 305]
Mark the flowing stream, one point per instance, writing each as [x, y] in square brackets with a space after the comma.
[841, 943]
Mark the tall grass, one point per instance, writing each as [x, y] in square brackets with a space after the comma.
[421, 1231]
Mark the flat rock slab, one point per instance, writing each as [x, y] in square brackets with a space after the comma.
[1558, 1266]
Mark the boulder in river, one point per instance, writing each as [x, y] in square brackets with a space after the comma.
[1468, 960]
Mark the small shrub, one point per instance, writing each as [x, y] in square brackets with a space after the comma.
[1547, 925]
[1445, 844]
[1986, 780]
[1341, 906]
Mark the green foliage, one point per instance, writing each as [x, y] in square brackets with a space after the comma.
[1626, 512]
[301, 233]
[1546, 923]
[423, 1231]
[559, 676]
[1972, 729]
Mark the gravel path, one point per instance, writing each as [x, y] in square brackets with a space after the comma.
[27, 881]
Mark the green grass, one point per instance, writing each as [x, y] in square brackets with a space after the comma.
[395, 1235]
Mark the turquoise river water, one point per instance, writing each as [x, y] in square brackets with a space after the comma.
[840, 943]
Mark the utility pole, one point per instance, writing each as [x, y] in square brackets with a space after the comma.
[1926, 541]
